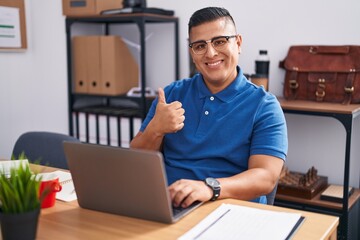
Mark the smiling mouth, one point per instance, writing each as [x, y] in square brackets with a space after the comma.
[213, 64]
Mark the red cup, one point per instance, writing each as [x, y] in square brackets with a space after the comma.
[49, 187]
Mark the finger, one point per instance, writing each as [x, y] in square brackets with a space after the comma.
[181, 195]
[179, 127]
[161, 96]
[188, 200]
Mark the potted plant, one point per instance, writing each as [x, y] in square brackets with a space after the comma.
[19, 203]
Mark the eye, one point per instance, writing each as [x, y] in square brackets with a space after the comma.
[199, 46]
[219, 41]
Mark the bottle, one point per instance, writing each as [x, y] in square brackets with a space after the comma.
[261, 76]
[262, 64]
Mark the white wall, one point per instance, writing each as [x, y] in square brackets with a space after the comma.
[33, 85]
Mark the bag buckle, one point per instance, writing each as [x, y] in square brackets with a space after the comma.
[313, 50]
[349, 90]
[293, 84]
[320, 94]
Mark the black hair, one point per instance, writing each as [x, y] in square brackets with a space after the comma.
[208, 14]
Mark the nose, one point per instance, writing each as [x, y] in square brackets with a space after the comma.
[210, 51]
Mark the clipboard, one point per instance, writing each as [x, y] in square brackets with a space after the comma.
[12, 25]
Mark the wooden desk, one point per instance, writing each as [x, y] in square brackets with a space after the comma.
[69, 221]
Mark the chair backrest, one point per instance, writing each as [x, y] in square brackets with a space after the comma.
[45, 147]
[271, 196]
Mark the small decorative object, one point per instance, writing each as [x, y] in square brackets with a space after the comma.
[301, 185]
[19, 203]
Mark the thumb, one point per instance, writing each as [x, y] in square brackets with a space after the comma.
[161, 96]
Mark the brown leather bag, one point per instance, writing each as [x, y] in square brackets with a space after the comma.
[322, 73]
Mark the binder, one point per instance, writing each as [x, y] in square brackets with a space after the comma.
[119, 69]
[80, 65]
[113, 125]
[103, 65]
[93, 64]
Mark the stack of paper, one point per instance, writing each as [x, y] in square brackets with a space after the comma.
[7, 165]
[238, 222]
[67, 192]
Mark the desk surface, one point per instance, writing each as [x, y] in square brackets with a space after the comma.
[312, 106]
[69, 221]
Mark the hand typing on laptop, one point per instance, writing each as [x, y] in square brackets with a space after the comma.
[184, 192]
[221, 135]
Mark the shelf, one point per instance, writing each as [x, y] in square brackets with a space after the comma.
[120, 114]
[319, 107]
[316, 201]
[345, 114]
[123, 18]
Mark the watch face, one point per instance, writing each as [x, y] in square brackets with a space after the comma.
[212, 182]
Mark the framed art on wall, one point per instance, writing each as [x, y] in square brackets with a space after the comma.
[12, 25]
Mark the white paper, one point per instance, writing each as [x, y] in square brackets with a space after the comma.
[10, 27]
[67, 192]
[238, 222]
[6, 165]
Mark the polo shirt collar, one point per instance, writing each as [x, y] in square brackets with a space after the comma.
[228, 93]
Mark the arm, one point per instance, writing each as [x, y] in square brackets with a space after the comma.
[259, 179]
[168, 118]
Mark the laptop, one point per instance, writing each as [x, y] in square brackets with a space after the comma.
[122, 181]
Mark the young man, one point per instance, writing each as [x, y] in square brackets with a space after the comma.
[222, 136]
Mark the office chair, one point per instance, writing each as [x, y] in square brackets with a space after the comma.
[45, 147]
[271, 196]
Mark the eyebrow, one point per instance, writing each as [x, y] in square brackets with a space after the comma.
[198, 41]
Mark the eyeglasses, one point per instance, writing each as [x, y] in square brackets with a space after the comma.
[219, 43]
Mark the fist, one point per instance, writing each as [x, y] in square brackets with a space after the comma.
[169, 117]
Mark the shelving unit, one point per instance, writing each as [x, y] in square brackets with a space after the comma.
[349, 210]
[113, 107]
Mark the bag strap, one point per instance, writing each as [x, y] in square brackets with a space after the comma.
[349, 87]
[293, 84]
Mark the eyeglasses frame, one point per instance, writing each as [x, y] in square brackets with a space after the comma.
[210, 41]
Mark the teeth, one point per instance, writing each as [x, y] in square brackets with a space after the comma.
[214, 64]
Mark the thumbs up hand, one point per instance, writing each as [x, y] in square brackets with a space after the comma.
[169, 117]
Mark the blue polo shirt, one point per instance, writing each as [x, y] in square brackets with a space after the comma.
[221, 130]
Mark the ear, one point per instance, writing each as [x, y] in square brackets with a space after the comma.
[239, 42]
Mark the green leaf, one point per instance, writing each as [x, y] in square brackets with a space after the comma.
[20, 192]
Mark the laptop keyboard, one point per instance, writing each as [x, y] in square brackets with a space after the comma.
[179, 209]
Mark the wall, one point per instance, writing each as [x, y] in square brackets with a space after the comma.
[33, 83]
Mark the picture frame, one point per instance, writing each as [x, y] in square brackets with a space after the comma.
[12, 25]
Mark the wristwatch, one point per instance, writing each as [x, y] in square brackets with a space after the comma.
[215, 187]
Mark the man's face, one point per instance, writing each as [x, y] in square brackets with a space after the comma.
[218, 67]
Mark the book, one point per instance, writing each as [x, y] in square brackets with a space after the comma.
[67, 193]
[335, 193]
